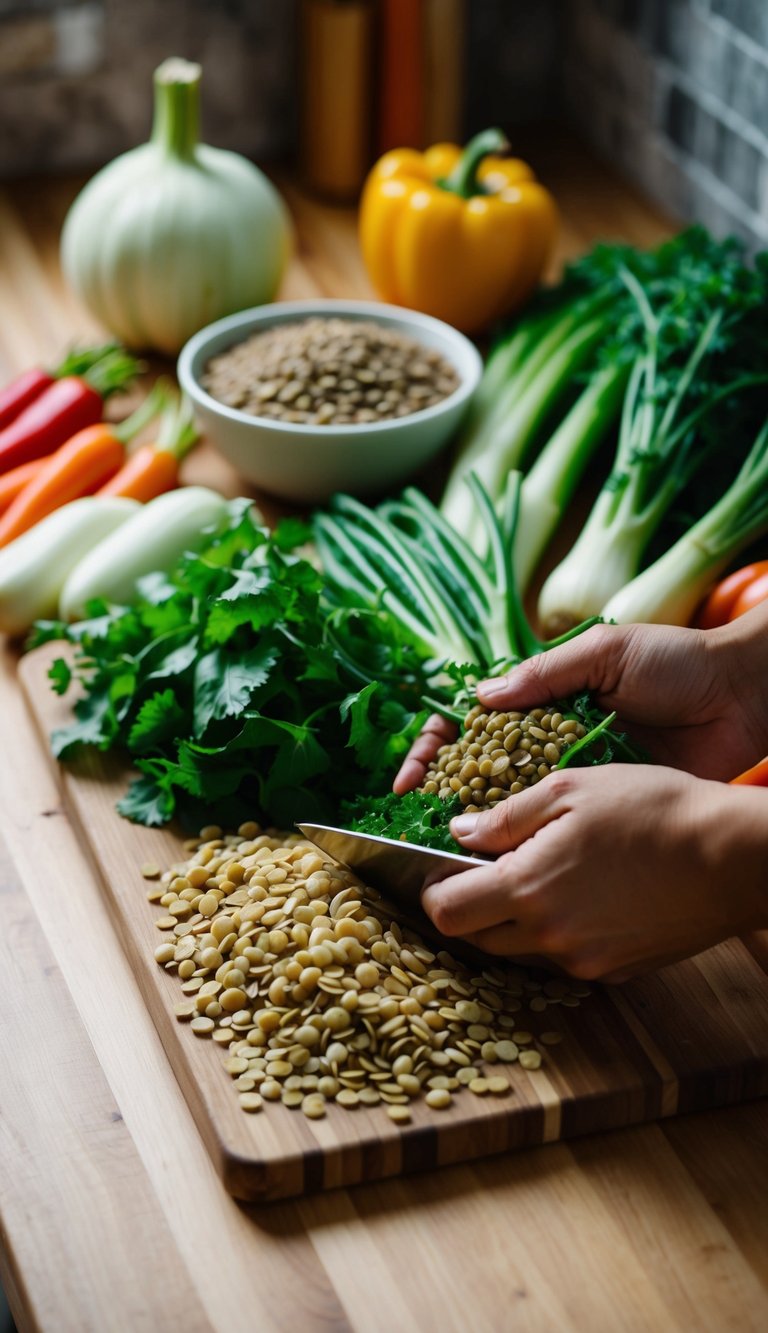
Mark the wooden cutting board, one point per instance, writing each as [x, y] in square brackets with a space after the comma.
[690, 1037]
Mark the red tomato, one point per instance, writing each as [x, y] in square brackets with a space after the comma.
[754, 593]
[720, 606]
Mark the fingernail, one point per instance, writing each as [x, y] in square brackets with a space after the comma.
[463, 825]
[490, 688]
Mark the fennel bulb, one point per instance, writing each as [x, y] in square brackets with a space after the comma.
[174, 234]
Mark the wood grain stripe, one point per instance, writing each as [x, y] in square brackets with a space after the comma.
[669, 1085]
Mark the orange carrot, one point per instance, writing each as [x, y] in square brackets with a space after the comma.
[154, 468]
[146, 473]
[14, 481]
[754, 777]
[79, 467]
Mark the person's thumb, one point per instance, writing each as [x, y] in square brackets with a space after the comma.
[510, 823]
[591, 661]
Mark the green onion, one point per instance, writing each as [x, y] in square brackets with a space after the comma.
[670, 589]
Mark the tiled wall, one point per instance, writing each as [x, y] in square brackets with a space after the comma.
[675, 92]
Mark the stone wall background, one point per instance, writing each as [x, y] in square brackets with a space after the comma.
[674, 92]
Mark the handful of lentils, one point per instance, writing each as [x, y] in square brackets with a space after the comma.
[330, 372]
[499, 755]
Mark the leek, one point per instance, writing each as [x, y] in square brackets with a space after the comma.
[501, 441]
[533, 370]
[549, 486]
[670, 589]
[405, 559]
[669, 406]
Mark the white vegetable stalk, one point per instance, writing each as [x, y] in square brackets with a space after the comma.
[653, 460]
[499, 444]
[34, 567]
[549, 486]
[669, 590]
[155, 537]
[595, 567]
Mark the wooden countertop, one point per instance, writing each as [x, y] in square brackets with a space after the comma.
[111, 1217]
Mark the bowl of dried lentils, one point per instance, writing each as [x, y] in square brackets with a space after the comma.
[307, 398]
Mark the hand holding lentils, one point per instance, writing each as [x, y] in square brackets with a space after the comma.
[499, 755]
[330, 372]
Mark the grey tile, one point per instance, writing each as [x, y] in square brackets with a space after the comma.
[747, 89]
[80, 39]
[695, 45]
[739, 165]
[680, 118]
[723, 216]
[751, 16]
[718, 147]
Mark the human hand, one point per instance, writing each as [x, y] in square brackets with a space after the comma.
[609, 871]
[695, 700]
[436, 731]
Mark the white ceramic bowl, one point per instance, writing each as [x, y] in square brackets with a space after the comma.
[308, 463]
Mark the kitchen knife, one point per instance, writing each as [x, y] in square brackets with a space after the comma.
[397, 869]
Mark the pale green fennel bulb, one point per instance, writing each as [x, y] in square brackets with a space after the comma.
[174, 234]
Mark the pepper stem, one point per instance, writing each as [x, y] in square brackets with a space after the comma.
[177, 106]
[463, 179]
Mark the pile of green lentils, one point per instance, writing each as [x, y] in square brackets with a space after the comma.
[316, 995]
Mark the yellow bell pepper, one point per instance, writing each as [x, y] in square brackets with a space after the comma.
[462, 234]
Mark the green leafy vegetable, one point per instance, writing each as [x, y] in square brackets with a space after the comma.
[60, 675]
[235, 688]
[416, 817]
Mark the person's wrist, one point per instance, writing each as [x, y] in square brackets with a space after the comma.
[733, 829]
[739, 653]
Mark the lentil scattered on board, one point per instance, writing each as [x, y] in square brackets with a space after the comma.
[330, 372]
[320, 996]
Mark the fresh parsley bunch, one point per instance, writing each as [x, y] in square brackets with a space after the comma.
[236, 691]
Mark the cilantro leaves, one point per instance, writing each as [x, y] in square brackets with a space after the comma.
[236, 690]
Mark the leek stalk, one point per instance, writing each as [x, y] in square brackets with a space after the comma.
[670, 589]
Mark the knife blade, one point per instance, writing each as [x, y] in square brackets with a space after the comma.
[397, 869]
